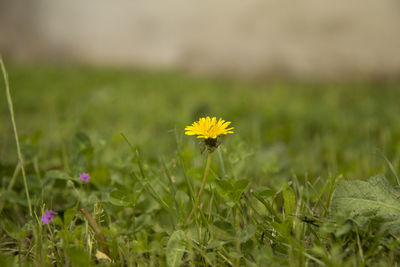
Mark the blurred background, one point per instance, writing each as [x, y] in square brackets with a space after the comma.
[303, 39]
[311, 86]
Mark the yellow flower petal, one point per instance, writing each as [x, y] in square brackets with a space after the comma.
[209, 128]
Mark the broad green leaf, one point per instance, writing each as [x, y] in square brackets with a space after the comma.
[289, 200]
[372, 201]
[265, 191]
[224, 185]
[120, 198]
[175, 248]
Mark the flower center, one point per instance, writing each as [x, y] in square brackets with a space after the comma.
[211, 142]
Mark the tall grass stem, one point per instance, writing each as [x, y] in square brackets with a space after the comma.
[14, 125]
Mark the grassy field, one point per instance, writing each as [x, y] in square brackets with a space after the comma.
[274, 195]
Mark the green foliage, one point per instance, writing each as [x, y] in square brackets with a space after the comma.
[372, 201]
[175, 248]
[78, 256]
[120, 198]
[272, 197]
[288, 200]
[232, 190]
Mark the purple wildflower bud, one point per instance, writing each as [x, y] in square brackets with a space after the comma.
[48, 216]
[84, 177]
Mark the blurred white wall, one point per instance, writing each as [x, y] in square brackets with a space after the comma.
[297, 38]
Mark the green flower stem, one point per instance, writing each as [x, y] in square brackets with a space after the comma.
[20, 157]
[203, 184]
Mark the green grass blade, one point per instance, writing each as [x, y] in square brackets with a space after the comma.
[14, 125]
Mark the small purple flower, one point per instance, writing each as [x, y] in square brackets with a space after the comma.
[48, 216]
[84, 177]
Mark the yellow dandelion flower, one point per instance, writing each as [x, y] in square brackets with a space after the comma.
[209, 128]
